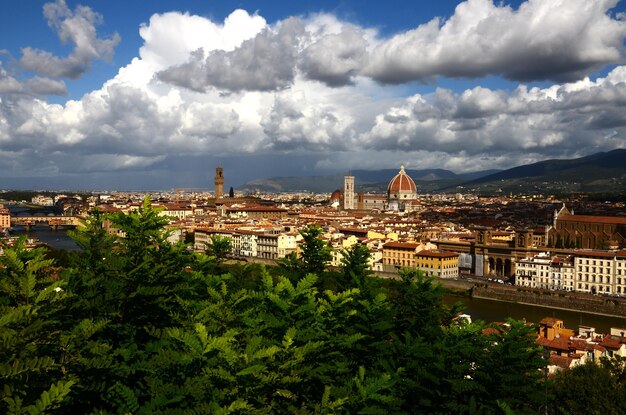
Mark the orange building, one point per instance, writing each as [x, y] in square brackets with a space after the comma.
[5, 218]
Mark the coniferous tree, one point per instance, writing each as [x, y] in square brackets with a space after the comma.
[355, 267]
[315, 254]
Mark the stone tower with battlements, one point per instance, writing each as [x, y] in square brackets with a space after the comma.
[219, 182]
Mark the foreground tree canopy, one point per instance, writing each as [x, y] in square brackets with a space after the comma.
[138, 325]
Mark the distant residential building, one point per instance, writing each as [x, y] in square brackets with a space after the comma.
[245, 243]
[597, 272]
[399, 254]
[202, 237]
[338, 248]
[177, 211]
[5, 217]
[586, 271]
[42, 200]
[255, 212]
[275, 246]
[420, 256]
[567, 349]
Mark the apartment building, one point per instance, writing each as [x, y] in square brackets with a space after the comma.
[587, 271]
[438, 263]
[545, 271]
[275, 246]
[399, 254]
[595, 272]
[5, 217]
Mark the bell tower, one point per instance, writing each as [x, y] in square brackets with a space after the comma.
[348, 192]
[219, 182]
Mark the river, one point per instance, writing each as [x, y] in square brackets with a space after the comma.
[492, 310]
[56, 239]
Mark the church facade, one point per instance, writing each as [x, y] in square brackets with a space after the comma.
[586, 232]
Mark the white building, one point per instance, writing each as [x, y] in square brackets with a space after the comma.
[586, 271]
[545, 271]
[596, 271]
[275, 246]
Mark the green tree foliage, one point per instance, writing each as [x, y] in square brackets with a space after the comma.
[315, 254]
[124, 292]
[219, 247]
[30, 374]
[355, 267]
[591, 388]
[143, 326]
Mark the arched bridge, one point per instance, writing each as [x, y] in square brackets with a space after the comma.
[52, 221]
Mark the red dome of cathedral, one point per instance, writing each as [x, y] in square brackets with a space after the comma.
[401, 183]
[335, 196]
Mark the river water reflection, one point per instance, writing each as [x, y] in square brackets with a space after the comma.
[56, 239]
[491, 310]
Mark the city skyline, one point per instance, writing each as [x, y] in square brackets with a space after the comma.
[156, 95]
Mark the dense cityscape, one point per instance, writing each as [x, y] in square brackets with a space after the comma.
[329, 207]
[491, 245]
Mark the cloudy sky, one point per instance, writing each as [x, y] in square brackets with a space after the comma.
[155, 94]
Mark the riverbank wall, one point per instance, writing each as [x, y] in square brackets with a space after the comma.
[610, 306]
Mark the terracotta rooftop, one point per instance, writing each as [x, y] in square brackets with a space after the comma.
[437, 254]
[550, 321]
[615, 220]
[400, 245]
[561, 361]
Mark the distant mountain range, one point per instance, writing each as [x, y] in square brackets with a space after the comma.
[598, 173]
[365, 180]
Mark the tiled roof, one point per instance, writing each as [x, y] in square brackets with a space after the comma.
[400, 245]
[615, 220]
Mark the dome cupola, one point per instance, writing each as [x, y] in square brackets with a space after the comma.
[402, 184]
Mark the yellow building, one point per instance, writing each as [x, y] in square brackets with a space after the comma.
[551, 328]
[339, 246]
[399, 254]
[438, 263]
[372, 234]
[5, 217]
